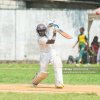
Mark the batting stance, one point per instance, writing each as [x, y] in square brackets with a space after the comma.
[48, 54]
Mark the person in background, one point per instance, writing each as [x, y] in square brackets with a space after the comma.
[98, 54]
[82, 40]
[91, 54]
[95, 47]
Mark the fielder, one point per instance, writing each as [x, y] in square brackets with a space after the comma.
[48, 54]
[83, 41]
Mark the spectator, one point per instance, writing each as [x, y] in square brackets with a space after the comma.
[98, 54]
[95, 47]
[91, 54]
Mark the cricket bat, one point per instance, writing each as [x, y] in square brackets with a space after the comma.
[64, 34]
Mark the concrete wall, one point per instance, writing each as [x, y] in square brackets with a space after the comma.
[18, 37]
[12, 4]
[7, 34]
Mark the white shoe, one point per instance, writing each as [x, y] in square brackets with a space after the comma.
[60, 86]
[77, 65]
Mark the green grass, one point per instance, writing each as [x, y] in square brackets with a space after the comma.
[42, 96]
[23, 73]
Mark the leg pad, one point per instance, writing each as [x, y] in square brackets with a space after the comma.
[39, 77]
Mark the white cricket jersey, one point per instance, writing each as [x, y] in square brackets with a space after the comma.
[43, 46]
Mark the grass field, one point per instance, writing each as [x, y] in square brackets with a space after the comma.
[23, 73]
[42, 96]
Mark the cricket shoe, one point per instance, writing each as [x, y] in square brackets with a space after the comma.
[77, 65]
[60, 86]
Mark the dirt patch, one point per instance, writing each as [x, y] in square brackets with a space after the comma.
[47, 88]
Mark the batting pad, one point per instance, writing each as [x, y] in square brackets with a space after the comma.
[39, 77]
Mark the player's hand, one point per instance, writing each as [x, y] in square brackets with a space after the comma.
[54, 31]
[57, 30]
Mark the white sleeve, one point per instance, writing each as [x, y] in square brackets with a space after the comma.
[43, 40]
[50, 34]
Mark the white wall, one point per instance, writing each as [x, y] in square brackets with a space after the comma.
[7, 34]
[18, 37]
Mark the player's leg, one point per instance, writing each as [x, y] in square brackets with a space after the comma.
[42, 74]
[58, 72]
[81, 52]
[39, 77]
[44, 61]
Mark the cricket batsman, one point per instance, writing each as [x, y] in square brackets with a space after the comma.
[48, 54]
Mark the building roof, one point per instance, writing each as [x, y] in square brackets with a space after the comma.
[67, 0]
[71, 4]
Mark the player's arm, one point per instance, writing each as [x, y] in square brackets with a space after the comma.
[76, 42]
[52, 41]
[87, 43]
[86, 39]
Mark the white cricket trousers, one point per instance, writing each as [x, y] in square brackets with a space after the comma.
[52, 57]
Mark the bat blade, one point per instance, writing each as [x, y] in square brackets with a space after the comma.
[64, 34]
